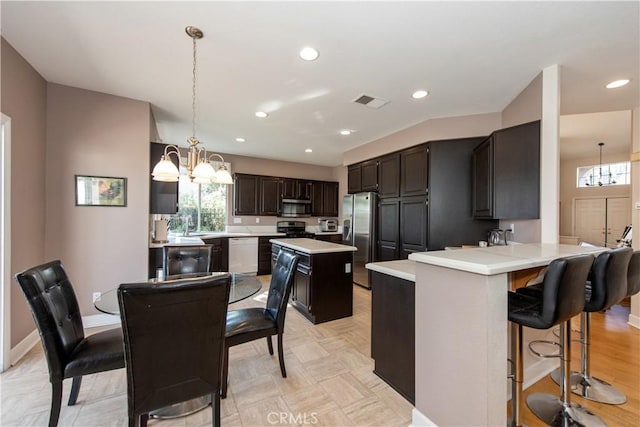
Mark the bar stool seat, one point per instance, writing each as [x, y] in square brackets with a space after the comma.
[561, 298]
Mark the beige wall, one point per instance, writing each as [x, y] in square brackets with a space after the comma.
[90, 133]
[526, 107]
[569, 192]
[634, 317]
[24, 100]
[429, 130]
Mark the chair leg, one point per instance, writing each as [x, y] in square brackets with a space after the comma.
[56, 402]
[215, 408]
[75, 390]
[225, 371]
[144, 418]
[270, 344]
[516, 381]
[281, 355]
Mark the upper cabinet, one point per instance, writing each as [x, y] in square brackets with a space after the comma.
[413, 171]
[506, 172]
[296, 189]
[245, 194]
[389, 175]
[163, 196]
[269, 200]
[363, 177]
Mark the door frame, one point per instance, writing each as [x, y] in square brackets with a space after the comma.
[5, 242]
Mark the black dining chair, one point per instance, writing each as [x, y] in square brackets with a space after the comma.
[248, 324]
[69, 353]
[174, 341]
[183, 259]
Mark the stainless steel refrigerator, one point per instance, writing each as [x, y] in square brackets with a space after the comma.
[358, 229]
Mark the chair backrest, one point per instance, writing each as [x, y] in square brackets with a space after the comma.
[564, 288]
[55, 310]
[173, 339]
[633, 275]
[282, 276]
[608, 279]
[181, 259]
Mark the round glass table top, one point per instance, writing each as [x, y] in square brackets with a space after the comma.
[242, 286]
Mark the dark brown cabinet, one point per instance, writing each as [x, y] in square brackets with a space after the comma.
[163, 196]
[362, 177]
[329, 199]
[296, 189]
[354, 178]
[388, 230]
[269, 195]
[506, 174]
[333, 238]
[245, 192]
[389, 176]
[219, 253]
[414, 171]
[155, 261]
[264, 255]
[413, 225]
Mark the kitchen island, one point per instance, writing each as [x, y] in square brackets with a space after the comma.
[323, 283]
[461, 334]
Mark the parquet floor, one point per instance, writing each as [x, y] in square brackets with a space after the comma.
[330, 381]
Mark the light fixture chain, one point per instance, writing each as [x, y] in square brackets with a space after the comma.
[193, 103]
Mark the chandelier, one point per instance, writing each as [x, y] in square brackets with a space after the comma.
[610, 180]
[198, 164]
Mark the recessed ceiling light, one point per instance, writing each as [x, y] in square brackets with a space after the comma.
[420, 94]
[309, 54]
[617, 83]
[308, 150]
[261, 114]
[345, 132]
[240, 139]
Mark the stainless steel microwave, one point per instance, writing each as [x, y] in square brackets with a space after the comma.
[294, 208]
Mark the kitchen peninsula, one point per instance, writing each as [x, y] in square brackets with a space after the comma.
[323, 284]
[461, 334]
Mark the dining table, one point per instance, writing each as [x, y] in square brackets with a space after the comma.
[243, 286]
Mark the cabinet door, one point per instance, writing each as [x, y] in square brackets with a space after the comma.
[289, 189]
[303, 190]
[317, 208]
[155, 261]
[483, 180]
[413, 225]
[354, 179]
[245, 194]
[302, 285]
[163, 196]
[269, 196]
[413, 171]
[330, 199]
[389, 176]
[388, 230]
[264, 256]
[219, 253]
[370, 175]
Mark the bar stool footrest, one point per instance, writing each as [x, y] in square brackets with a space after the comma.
[550, 409]
[592, 388]
[537, 353]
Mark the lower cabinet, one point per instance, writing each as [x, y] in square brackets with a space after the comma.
[333, 238]
[264, 255]
[155, 261]
[393, 332]
[219, 253]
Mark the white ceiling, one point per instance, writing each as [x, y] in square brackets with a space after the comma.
[473, 57]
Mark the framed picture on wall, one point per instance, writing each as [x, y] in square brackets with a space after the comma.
[100, 191]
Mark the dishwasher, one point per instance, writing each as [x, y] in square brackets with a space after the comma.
[243, 255]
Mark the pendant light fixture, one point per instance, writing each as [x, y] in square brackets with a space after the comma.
[198, 164]
[610, 180]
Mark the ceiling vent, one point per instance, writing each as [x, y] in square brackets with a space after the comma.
[370, 101]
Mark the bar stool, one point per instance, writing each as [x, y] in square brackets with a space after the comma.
[606, 286]
[633, 275]
[562, 297]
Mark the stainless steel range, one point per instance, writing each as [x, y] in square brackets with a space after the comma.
[294, 229]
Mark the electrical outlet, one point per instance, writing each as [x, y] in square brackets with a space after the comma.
[513, 228]
[637, 205]
[347, 267]
[96, 295]
[257, 220]
[237, 220]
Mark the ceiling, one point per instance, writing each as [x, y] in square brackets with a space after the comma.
[473, 57]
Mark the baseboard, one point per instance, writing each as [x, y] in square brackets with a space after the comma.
[23, 347]
[538, 370]
[418, 419]
[97, 320]
[634, 321]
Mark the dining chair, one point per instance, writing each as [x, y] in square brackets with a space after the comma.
[173, 341]
[248, 324]
[69, 353]
[183, 259]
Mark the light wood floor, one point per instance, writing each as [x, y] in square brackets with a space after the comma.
[330, 380]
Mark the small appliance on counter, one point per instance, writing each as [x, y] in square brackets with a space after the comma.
[498, 237]
[160, 233]
[328, 225]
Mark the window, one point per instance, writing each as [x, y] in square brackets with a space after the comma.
[204, 204]
[605, 174]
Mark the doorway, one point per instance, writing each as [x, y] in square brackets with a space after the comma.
[602, 220]
[5, 242]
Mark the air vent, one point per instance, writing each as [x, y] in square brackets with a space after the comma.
[370, 101]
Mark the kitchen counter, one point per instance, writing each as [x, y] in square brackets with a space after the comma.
[196, 238]
[402, 269]
[311, 246]
[461, 339]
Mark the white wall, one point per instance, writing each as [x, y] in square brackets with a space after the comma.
[634, 318]
[90, 133]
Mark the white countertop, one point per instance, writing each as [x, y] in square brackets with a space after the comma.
[402, 269]
[311, 246]
[320, 233]
[501, 259]
[196, 239]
